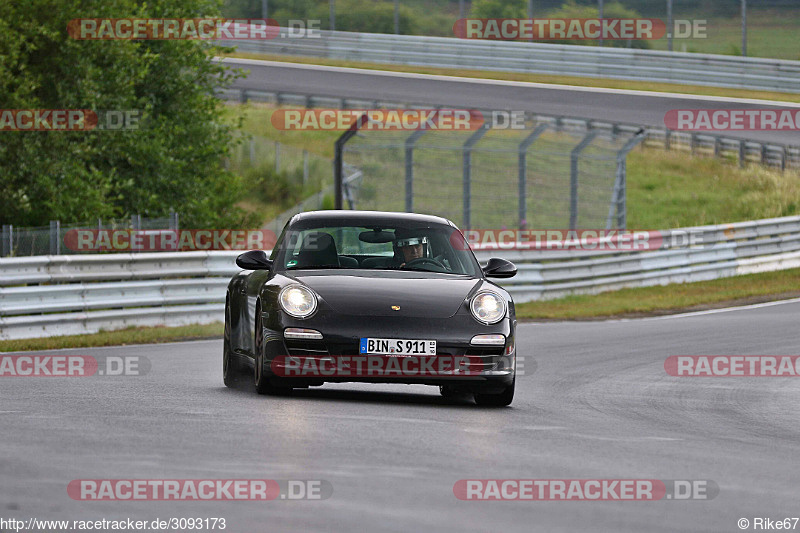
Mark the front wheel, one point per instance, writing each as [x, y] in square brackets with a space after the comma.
[496, 400]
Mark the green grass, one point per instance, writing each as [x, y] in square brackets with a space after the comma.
[770, 33]
[668, 299]
[535, 78]
[149, 335]
[674, 189]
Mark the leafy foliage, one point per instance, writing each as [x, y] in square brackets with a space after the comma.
[174, 160]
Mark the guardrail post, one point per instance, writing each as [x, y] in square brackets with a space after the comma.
[7, 244]
[522, 161]
[467, 170]
[277, 157]
[667, 134]
[693, 142]
[243, 96]
[783, 159]
[717, 146]
[763, 153]
[55, 232]
[573, 177]
[409, 160]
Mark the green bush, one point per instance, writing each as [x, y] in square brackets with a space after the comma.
[284, 188]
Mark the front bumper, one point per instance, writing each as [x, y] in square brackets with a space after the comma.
[484, 369]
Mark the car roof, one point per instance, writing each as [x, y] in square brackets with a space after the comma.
[373, 217]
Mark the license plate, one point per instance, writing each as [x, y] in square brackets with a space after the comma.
[396, 347]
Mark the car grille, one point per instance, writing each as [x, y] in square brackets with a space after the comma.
[480, 359]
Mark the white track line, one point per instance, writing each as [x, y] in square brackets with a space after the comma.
[669, 317]
[508, 83]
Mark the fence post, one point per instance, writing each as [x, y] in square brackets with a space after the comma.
[277, 157]
[251, 155]
[338, 158]
[522, 171]
[305, 167]
[173, 220]
[467, 170]
[410, 142]
[7, 244]
[573, 177]
[55, 232]
[742, 153]
[619, 194]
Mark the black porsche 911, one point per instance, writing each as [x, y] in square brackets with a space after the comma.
[366, 296]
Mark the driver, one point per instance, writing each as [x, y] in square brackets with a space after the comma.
[408, 247]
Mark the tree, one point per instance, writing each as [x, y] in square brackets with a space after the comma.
[174, 160]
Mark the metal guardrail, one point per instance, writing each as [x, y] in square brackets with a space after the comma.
[47, 296]
[539, 58]
[744, 151]
[62, 295]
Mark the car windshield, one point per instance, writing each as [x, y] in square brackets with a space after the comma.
[433, 248]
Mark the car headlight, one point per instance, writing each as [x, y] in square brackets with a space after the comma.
[298, 301]
[488, 307]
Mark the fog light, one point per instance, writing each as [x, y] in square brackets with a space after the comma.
[300, 333]
[488, 340]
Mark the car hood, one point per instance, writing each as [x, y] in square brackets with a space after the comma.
[367, 293]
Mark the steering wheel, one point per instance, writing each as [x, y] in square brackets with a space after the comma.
[422, 260]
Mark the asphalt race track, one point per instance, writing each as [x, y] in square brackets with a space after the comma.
[598, 405]
[634, 107]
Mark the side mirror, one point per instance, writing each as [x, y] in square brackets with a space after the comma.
[254, 260]
[499, 268]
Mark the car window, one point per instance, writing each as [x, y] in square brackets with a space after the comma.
[390, 247]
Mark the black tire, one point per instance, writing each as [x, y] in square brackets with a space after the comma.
[231, 366]
[447, 392]
[261, 380]
[501, 399]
